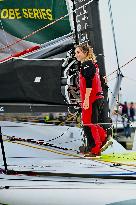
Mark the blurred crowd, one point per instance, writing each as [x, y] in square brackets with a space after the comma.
[128, 116]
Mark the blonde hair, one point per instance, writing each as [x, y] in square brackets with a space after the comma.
[86, 49]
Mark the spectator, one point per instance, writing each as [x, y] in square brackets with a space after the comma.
[132, 112]
[126, 124]
[124, 108]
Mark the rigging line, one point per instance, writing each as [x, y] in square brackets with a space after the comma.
[115, 44]
[113, 32]
[44, 27]
[128, 62]
[112, 73]
[64, 131]
[40, 142]
[124, 65]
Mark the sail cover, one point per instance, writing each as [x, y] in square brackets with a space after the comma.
[20, 19]
[31, 81]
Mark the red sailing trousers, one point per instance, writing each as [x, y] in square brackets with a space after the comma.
[97, 134]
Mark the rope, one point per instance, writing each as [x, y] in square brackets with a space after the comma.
[124, 65]
[47, 143]
[101, 160]
[38, 142]
[63, 132]
[115, 44]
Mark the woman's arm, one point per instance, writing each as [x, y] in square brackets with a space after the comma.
[86, 100]
[88, 71]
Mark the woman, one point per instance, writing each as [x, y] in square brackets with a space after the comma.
[91, 95]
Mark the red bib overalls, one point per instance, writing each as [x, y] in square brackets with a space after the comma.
[98, 133]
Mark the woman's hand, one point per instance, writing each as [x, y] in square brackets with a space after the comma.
[86, 100]
[105, 79]
[86, 104]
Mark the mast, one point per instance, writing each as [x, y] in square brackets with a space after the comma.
[89, 29]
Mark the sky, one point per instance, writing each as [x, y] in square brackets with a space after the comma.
[124, 17]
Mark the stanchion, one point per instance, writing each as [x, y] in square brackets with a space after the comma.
[3, 152]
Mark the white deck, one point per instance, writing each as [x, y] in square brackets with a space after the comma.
[63, 178]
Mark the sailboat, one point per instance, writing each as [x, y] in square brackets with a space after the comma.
[41, 164]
